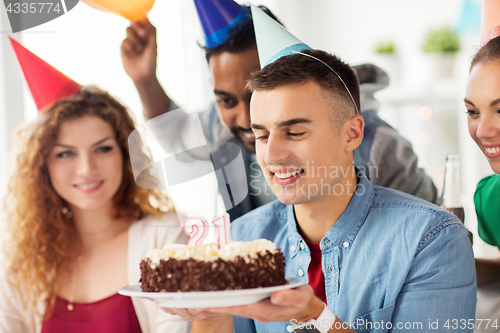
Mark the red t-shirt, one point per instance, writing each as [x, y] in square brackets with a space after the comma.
[115, 314]
[315, 271]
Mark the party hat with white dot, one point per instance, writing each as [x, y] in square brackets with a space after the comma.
[273, 40]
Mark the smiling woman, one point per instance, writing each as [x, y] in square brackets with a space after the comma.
[482, 100]
[79, 224]
[86, 160]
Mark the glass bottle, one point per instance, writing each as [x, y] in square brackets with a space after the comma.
[451, 188]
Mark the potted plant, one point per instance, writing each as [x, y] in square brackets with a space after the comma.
[385, 57]
[387, 48]
[441, 46]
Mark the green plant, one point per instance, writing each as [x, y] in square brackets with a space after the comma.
[385, 48]
[442, 40]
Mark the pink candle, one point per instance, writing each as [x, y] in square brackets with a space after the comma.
[223, 229]
[197, 228]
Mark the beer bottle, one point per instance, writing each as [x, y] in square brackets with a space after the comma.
[451, 188]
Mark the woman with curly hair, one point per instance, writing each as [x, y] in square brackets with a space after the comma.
[79, 225]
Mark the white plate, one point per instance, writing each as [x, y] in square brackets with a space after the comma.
[208, 299]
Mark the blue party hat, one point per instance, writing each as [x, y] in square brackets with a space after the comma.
[273, 40]
[218, 18]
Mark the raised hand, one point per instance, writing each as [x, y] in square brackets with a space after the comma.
[139, 60]
[138, 51]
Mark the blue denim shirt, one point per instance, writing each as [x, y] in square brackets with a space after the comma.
[390, 260]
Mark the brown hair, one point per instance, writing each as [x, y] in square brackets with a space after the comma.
[297, 69]
[40, 235]
[489, 52]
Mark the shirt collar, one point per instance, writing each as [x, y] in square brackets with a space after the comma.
[294, 238]
[346, 228]
[344, 231]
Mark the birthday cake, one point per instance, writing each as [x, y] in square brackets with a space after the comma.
[236, 265]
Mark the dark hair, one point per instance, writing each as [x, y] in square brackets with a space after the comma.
[241, 37]
[489, 52]
[297, 69]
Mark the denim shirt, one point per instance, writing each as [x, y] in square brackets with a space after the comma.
[392, 262]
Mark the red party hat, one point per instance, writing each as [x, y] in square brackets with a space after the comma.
[47, 84]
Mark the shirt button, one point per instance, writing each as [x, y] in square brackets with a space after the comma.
[289, 328]
[292, 248]
[301, 272]
[346, 244]
[302, 246]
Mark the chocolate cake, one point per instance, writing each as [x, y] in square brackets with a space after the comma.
[237, 265]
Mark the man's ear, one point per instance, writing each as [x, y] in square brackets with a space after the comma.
[354, 130]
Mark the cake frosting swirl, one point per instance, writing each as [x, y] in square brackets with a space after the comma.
[211, 251]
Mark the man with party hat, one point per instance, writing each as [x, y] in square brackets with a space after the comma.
[232, 55]
[374, 259]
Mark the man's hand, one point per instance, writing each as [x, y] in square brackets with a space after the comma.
[299, 304]
[138, 51]
[139, 60]
[191, 314]
[204, 321]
